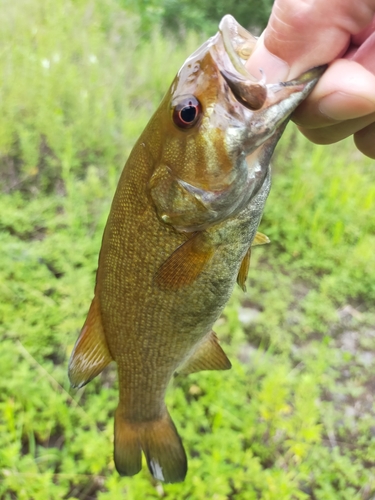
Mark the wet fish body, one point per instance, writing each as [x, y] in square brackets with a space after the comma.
[183, 219]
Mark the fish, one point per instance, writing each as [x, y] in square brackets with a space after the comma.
[182, 223]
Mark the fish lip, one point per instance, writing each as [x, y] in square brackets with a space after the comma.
[267, 123]
[234, 47]
[233, 36]
[251, 93]
[288, 95]
[310, 74]
[256, 96]
[301, 80]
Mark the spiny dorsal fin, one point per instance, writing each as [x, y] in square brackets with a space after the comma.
[260, 239]
[208, 356]
[185, 264]
[90, 354]
[244, 270]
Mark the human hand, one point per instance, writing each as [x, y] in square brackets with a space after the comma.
[303, 34]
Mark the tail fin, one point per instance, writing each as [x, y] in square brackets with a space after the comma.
[160, 442]
[128, 453]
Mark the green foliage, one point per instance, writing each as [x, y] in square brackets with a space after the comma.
[66, 98]
[293, 419]
[329, 229]
[178, 16]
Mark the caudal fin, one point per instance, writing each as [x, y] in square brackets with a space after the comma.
[160, 442]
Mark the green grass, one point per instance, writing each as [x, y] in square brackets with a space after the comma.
[294, 418]
[77, 86]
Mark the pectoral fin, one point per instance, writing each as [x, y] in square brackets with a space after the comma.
[185, 264]
[90, 354]
[208, 356]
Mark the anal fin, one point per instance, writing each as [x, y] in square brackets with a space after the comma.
[208, 356]
[90, 354]
[185, 264]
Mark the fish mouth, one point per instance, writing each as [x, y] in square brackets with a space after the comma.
[237, 46]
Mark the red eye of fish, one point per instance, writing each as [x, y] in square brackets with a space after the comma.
[187, 112]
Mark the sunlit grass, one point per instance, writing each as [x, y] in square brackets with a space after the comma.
[77, 86]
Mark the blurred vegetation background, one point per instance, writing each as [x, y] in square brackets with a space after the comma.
[294, 418]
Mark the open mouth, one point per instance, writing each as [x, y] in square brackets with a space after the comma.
[254, 94]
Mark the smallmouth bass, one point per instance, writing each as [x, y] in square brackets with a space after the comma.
[183, 219]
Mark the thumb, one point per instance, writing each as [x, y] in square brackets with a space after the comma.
[302, 34]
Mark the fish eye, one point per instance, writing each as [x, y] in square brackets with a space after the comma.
[187, 112]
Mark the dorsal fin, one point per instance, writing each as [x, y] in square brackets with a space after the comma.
[90, 354]
[185, 264]
[208, 356]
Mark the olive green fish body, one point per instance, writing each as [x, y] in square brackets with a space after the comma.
[177, 319]
[183, 219]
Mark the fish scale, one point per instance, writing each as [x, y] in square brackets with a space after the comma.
[184, 216]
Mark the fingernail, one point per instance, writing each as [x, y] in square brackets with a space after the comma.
[340, 106]
[261, 60]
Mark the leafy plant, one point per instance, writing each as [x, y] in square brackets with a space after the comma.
[180, 16]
